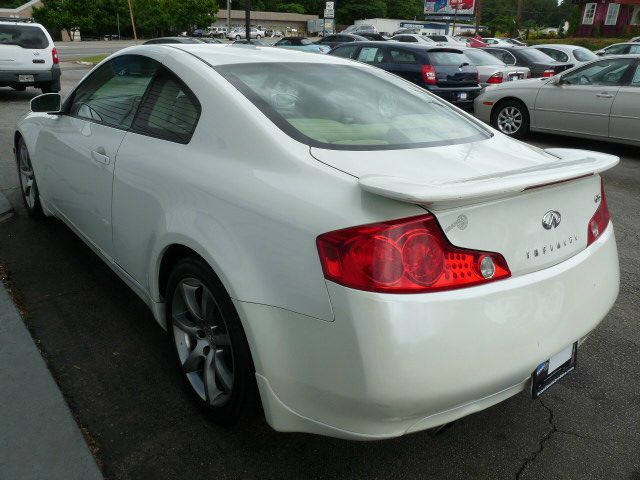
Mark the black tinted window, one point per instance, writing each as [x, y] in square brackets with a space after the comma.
[169, 110]
[402, 56]
[347, 51]
[112, 93]
[25, 36]
[438, 38]
[557, 55]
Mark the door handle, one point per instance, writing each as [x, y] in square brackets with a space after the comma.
[604, 95]
[100, 157]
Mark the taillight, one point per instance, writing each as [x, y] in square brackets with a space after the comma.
[600, 219]
[429, 74]
[410, 255]
[549, 73]
[495, 78]
[54, 54]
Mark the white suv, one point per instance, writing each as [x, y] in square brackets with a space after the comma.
[28, 57]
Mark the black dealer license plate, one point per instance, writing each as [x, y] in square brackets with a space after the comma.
[554, 369]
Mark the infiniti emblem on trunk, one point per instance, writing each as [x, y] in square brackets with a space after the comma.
[551, 219]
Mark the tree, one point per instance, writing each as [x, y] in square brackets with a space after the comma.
[351, 10]
[291, 8]
[405, 9]
[58, 15]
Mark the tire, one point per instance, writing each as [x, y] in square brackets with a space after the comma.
[258, 37]
[211, 347]
[238, 37]
[28, 185]
[50, 87]
[511, 117]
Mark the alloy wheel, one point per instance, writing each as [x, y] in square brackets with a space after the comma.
[202, 342]
[27, 176]
[510, 120]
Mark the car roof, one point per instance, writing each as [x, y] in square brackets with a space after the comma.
[559, 46]
[226, 54]
[411, 46]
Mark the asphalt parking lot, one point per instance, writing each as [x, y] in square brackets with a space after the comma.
[114, 366]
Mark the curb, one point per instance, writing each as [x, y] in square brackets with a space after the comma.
[40, 438]
[87, 64]
[6, 210]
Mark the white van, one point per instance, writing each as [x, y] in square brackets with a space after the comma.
[28, 57]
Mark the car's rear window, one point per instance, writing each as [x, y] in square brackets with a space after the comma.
[438, 38]
[448, 58]
[349, 107]
[25, 36]
[479, 57]
[584, 55]
[305, 41]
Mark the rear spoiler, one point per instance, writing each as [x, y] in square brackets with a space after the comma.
[571, 164]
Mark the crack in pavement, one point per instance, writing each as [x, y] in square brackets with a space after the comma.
[543, 440]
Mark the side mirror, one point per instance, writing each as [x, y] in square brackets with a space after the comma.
[555, 80]
[600, 53]
[47, 103]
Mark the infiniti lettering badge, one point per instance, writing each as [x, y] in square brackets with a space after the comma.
[551, 219]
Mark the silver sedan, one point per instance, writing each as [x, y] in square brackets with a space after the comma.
[492, 71]
[599, 99]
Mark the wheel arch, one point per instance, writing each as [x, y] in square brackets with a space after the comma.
[500, 102]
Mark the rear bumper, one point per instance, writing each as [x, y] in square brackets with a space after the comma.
[11, 77]
[453, 95]
[394, 364]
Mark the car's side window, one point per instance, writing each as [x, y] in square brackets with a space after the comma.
[615, 49]
[635, 81]
[509, 59]
[346, 51]
[169, 109]
[499, 54]
[111, 95]
[402, 56]
[607, 72]
[634, 49]
[557, 55]
[371, 55]
[283, 43]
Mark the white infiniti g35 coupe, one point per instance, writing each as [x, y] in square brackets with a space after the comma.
[364, 257]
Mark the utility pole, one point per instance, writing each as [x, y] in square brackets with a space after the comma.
[228, 16]
[118, 20]
[133, 24]
[247, 20]
[478, 15]
[518, 21]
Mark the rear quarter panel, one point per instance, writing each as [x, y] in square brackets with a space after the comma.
[242, 194]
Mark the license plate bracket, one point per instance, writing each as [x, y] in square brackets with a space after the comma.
[463, 96]
[552, 370]
[26, 78]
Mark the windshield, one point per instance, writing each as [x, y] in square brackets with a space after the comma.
[584, 55]
[478, 57]
[534, 55]
[24, 36]
[349, 107]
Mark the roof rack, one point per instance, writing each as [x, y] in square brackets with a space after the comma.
[16, 19]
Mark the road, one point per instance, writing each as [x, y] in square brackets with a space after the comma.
[69, 51]
[113, 365]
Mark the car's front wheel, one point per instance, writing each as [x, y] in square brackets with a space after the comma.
[258, 37]
[238, 37]
[209, 342]
[511, 118]
[28, 185]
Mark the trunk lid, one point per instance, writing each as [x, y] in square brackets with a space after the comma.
[490, 195]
